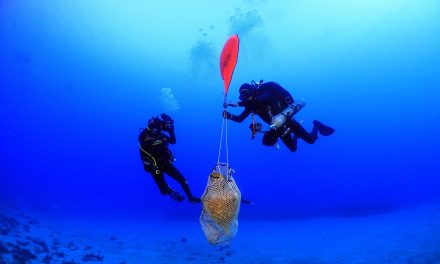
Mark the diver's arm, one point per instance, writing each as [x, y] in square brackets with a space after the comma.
[171, 138]
[230, 104]
[246, 112]
[260, 101]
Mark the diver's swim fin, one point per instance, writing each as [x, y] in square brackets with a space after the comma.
[194, 200]
[176, 196]
[247, 202]
[323, 129]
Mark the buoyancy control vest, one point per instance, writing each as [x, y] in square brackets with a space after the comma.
[284, 98]
[284, 108]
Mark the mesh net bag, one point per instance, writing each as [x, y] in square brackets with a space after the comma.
[220, 206]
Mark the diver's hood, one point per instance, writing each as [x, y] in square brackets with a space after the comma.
[154, 123]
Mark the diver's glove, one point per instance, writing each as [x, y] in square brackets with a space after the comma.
[227, 115]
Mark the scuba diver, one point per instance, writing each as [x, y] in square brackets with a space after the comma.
[276, 107]
[158, 159]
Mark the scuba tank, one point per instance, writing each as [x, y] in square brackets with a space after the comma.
[290, 110]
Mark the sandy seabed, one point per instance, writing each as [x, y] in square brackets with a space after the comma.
[406, 236]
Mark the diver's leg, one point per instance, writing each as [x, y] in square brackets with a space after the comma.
[301, 132]
[164, 188]
[290, 141]
[174, 173]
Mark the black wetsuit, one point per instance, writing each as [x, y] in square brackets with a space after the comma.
[158, 160]
[267, 103]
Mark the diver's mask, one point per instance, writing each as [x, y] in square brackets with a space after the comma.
[246, 91]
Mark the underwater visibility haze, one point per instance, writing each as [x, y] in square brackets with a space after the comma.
[80, 79]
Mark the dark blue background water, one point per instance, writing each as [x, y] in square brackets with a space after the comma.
[79, 79]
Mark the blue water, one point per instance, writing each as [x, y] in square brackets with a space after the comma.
[78, 79]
